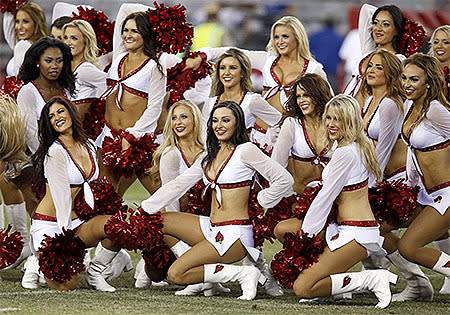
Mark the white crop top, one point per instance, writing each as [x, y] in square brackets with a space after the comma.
[345, 171]
[90, 82]
[241, 166]
[294, 141]
[31, 101]
[63, 172]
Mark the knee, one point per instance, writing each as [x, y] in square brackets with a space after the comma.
[175, 274]
[303, 289]
[279, 231]
[406, 249]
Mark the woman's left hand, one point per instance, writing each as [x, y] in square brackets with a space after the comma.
[125, 145]
[193, 63]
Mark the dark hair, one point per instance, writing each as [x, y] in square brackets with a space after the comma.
[239, 135]
[60, 22]
[48, 135]
[318, 89]
[399, 23]
[148, 36]
[29, 70]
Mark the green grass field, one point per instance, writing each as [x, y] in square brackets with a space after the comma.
[128, 300]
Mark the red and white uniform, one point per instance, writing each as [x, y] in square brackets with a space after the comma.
[90, 83]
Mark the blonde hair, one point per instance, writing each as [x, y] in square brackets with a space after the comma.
[170, 137]
[90, 50]
[445, 29]
[299, 33]
[12, 132]
[348, 111]
[392, 67]
[38, 16]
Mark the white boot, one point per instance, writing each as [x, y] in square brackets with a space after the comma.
[17, 217]
[120, 263]
[443, 265]
[418, 286]
[2, 217]
[30, 279]
[98, 264]
[271, 286]
[247, 276]
[142, 280]
[87, 257]
[444, 246]
[376, 281]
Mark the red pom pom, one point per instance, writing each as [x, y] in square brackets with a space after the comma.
[179, 81]
[173, 33]
[304, 201]
[299, 253]
[282, 211]
[159, 256]
[196, 203]
[10, 6]
[94, 119]
[11, 86]
[61, 257]
[135, 160]
[10, 247]
[393, 202]
[261, 230]
[38, 190]
[412, 38]
[106, 200]
[121, 233]
[103, 28]
[148, 228]
[447, 80]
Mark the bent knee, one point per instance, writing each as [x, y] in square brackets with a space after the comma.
[176, 275]
[406, 249]
[303, 289]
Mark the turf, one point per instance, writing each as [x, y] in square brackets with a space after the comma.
[128, 300]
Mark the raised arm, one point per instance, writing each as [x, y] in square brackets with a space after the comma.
[26, 101]
[9, 29]
[280, 181]
[285, 141]
[93, 77]
[260, 108]
[365, 28]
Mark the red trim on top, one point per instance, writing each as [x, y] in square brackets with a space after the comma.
[221, 168]
[86, 178]
[240, 102]
[43, 217]
[232, 222]
[119, 68]
[42, 95]
[437, 146]
[405, 138]
[259, 128]
[235, 185]
[134, 91]
[355, 186]
[275, 77]
[308, 141]
[184, 157]
[84, 101]
[438, 187]
[397, 171]
[368, 223]
[311, 159]
[366, 127]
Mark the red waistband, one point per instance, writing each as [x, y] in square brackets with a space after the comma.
[85, 100]
[259, 128]
[438, 187]
[355, 186]
[235, 185]
[438, 146]
[233, 222]
[43, 217]
[311, 159]
[369, 223]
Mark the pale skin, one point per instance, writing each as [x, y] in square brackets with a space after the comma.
[441, 47]
[304, 172]
[188, 268]
[352, 205]
[92, 231]
[429, 225]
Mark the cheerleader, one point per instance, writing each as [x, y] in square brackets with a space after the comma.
[301, 146]
[426, 132]
[355, 234]
[226, 236]
[231, 82]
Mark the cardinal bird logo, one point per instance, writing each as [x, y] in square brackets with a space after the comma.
[218, 268]
[346, 281]
[438, 199]
[334, 237]
[219, 238]
[447, 265]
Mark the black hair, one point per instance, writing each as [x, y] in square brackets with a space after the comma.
[60, 22]
[399, 23]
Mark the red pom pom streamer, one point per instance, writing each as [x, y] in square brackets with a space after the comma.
[412, 38]
[393, 202]
[159, 256]
[11, 86]
[179, 81]
[299, 253]
[61, 257]
[196, 204]
[261, 230]
[94, 119]
[447, 80]
[173, 33]
[103, 28]
[135, 160]
[11, 6]
[121, 233]
[148, 228]
[106, 200]
[10, 247]
[282, 211]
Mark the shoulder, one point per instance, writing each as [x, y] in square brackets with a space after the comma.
[437, 109]
[291, 122]
[388, 103]
[248, 148]
[22, 45]
[56, 150]
[27, 89]
[346, 154]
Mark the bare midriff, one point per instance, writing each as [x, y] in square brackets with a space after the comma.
[276, 103]
[435, 166]
[234, 205]
[303, 173]
[133, 107]
[47, 207]
[397, 159]
[354, 205]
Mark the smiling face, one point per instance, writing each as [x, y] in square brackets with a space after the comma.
[182, 121]
[383, 29]
[51, 63]
[24, 25]
[60, 118]
[441, 46]
[75, 40]
[414, 82]
[305, 102]
[132, 39]
[334, 125]
[230, 72]
[285, 40]
[375, 75]
[223, 124]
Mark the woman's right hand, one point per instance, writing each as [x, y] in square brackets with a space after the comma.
[193, 63]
